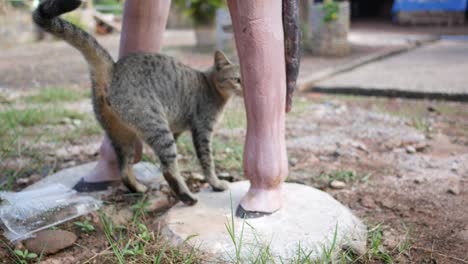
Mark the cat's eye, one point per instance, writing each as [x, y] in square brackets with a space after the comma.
[238, 80]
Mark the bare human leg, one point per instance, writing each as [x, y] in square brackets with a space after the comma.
[142, 30]
[259, 37]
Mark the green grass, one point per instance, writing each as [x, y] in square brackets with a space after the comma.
[259, 252]
[56, 95]
[37, 119]
[137, 243]
[300, 106]
[234, 116]
[85, 226]
[347, 176]
[228, 153]
[29, 117]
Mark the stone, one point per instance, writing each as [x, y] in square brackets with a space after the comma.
[454, 188]
[387, 203]
[159, 203]
[357, 247]
[197, 176]
[50, 241]
[225, 176]
[390, 239]
[118, 216]
[313, 159]
[463, 235]
[145, 172]
[368, 202]
[410, 149]
[338, 185]
[293, 162]
[76, 122]
[28, 180]
[309, 217]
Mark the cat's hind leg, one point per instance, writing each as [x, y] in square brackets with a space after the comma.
[124, 143]
[201, 137]
[158, 135]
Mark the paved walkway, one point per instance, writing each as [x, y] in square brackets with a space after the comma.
[436, 69]
[52, 64]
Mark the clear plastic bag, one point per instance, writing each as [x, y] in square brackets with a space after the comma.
[24, 213]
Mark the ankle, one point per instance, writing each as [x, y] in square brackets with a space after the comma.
[105, 170]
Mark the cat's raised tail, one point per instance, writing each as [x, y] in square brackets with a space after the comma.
[99, 60]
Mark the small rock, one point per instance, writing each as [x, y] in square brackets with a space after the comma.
[22, 181]
[228, 150]
[368, 202]
[121, 216]
[313, 159]
[76, 122]
[410, 149]
[197, 176]
[454, 189]
[360, 146]
[463, 235]
[432, 109]
[28, 180]
[357, 247]
[292, 162]
[417, 181]
[337, 184]
[325, 158]
[62, 153]
[157, 204]
[225, 176]
[390, 240]
[388, 203]
[65, 121]
[421, 146]
[50, 241]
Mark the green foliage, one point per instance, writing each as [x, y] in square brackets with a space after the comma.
[376, 249]
[109, 6]
[140, 209]
[35, 116]
[330, 11]
[55, 95]
[85, 226]
[202, 12]
[347, 176]
[24, 256]
[75, 19]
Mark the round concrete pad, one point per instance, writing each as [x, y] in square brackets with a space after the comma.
[144, 171]
[308, 220]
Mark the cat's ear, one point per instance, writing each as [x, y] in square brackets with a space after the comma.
[221, 60]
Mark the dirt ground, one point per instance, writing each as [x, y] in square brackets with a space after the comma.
[404, 163]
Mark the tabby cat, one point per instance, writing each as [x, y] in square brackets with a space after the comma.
[151, 97]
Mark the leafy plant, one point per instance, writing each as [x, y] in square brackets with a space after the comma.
[140, 208]
[330, 11]
[25, 256]
[202, 12]
[85, 226]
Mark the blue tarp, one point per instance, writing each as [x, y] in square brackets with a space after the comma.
[429, 5]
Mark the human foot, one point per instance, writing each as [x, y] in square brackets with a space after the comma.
[260, 202]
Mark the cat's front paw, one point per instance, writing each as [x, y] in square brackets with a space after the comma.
[188, 198]
[219, 185]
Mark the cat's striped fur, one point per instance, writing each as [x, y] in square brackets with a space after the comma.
[151, 97]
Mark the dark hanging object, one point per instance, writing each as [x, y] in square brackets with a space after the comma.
[292, 41]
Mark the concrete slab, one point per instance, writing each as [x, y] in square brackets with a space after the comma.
[434, 69]
[308, 220]
[146, 172]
